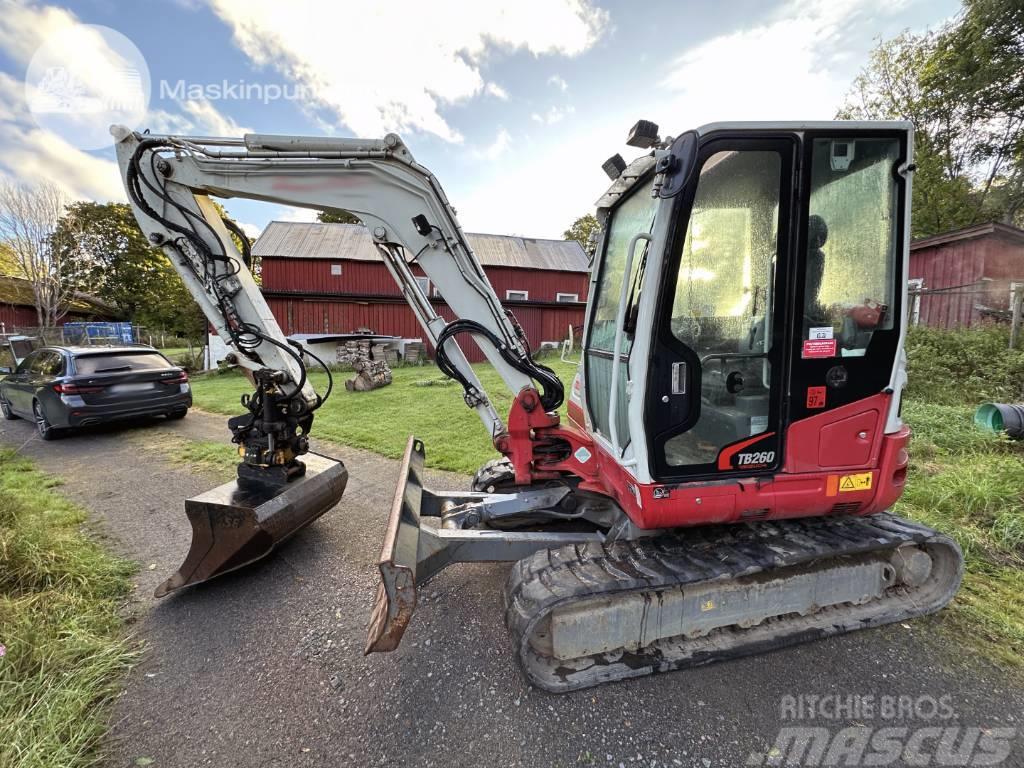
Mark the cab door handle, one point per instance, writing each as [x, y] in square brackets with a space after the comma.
[678, 378]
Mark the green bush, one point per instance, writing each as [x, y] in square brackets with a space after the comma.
[968, 366]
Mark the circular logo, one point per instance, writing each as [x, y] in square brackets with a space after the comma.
[84, 78]
[837, 377]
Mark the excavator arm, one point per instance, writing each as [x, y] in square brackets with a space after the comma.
[170, 179]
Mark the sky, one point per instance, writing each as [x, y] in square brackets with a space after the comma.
[513, 104]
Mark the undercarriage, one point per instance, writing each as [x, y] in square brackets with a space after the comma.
[584, 606]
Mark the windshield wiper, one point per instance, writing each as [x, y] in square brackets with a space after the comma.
[114, 370]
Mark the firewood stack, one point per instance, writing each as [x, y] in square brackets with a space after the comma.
[352, 352]
[370, 374]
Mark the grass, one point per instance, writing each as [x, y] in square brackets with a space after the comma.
[967, 483]
[65, 647]
[420, 401]
[210, 456]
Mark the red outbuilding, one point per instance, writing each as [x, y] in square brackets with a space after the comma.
[960, 278]
[330, 279]
[18, 312]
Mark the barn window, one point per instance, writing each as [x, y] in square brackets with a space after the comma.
[517, 295]
[424, 284]
[567, 297]
[336, 270]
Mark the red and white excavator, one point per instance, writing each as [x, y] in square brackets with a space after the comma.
[733, 441]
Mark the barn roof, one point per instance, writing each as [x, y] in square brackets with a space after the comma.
[18, 292]
[969, 233]
[301, 240]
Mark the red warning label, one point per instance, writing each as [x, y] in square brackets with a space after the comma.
[819, 348]
[816, 397]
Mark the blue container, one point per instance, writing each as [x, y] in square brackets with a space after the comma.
[119, 332]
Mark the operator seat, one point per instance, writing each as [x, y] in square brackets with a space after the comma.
[817, 234]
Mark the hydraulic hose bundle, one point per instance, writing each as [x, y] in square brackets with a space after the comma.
[246, 337]
[552, 390]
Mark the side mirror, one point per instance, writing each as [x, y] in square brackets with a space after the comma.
[678, 165]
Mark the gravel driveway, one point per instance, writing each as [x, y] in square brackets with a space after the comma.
[265, 669]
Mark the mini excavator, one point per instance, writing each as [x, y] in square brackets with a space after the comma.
[720, 483]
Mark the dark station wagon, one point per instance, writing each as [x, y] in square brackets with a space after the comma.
[66, 387]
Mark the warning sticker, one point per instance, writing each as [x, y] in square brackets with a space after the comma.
[858, 482]
[816, 397]
[814, 348]
[820, 333]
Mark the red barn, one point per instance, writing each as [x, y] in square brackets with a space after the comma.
[958, 278]
[329, 278]
[18, 312]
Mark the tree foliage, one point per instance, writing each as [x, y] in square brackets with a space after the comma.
[963, 89]
[9, 262]
[582, 230]
[119, 265]
[337, 217]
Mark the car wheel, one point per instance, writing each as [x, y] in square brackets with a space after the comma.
[5, 409]
[43, 426]
[175, 415]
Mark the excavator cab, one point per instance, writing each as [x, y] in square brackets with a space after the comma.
[768, 264]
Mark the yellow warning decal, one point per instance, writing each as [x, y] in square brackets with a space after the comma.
[858, 482]
[707, 605]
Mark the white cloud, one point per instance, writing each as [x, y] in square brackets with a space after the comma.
[558, 82]
[200, 118]
[288, 213]
[493, 89]
[24, 27]
[446, 41]
[796, 66]
[250, 229]
[498, 147]
[32, 154]
[553, 115]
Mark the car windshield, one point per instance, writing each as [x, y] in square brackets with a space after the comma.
[114, 362]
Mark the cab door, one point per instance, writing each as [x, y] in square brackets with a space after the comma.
[616, 293]
[718, 369]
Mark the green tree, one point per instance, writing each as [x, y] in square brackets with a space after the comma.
[337, 217]
[963, 88]
[582, 229]
[977, 69]
[120, 266]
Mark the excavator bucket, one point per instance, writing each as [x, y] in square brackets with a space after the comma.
[234, 525]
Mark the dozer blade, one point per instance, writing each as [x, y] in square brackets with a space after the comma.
[234, 525]
[414, 553]
[396, 593]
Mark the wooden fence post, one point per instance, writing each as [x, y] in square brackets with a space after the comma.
[1018, 294]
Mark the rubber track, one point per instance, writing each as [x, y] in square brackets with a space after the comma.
[555, 578]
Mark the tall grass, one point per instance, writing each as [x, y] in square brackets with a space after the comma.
[65, 647]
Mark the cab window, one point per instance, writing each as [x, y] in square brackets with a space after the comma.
[851, 243]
